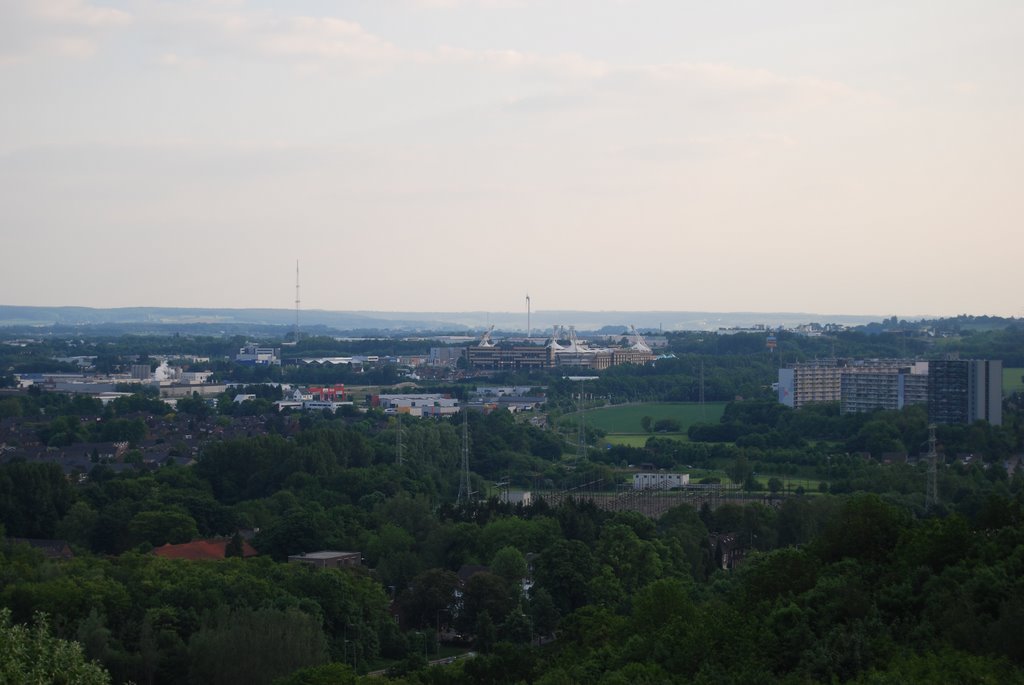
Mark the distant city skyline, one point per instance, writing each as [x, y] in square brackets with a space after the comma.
[455, 155]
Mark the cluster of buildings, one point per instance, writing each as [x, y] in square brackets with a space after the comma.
[810, 330]
[164, 442]
[574, 354]
[418, 404]
[170, 381]
[513, 398]
[311, 398]
[485, 399]
[361, 360]
[165, 374]
[954, 390]
[256, 355]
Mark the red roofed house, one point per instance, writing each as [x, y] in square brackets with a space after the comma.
[202, 550]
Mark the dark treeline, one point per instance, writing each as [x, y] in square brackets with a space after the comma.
[852, 588]
[668, 380]
[769, 424]
[845, 586]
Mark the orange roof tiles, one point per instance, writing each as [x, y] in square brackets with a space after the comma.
[201, 550]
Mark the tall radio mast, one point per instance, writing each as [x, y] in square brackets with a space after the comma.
[529, 329]
[398, 437]
[581, 448]
[931, 494]
[464, 493]
[296, 340]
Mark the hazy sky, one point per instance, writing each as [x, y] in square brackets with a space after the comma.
[834, 157]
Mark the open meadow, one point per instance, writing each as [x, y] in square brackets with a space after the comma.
[637, 440]
[626, 418]
[1012, 381]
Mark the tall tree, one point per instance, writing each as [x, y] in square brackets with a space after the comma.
[255, 646]
[33, 655]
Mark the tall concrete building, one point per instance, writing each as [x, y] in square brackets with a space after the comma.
[814, 381]
[964, 391]
[956, 391]
[890, 388]
[824, 380]
[511, 357]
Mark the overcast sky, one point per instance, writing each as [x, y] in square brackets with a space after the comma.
[441, 155]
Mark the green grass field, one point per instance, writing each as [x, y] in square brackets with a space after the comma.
[625, 418]
[627, 440]
[808, 484]
[634, 440]
[1012, 380]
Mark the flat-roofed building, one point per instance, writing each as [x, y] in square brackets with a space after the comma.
[511, 357]
[822, 380]
[631, 356]
[328, 559]
[645, 481]
[816, 381]
[259, 356]
[425, 404]
[883, 388]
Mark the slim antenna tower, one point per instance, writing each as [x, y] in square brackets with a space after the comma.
[931, 495]
[398, 437]
[296, 301]
[529, 329]
[581, 451]
[702, 390]
[464, 471]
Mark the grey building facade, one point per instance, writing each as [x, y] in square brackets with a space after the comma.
[964, 391]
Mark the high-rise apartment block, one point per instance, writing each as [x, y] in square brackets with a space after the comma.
[862, 384]
[814, 381]
[892, 387]
[955, 391]
[964, 391]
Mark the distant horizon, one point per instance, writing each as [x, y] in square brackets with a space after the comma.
[290, 306]
[857, 314]
[539, 321]
[471, 310]
[513, 311]
[476, 310]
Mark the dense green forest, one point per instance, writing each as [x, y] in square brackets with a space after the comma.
[855, 579]
[864, 587]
